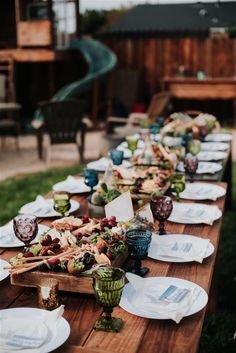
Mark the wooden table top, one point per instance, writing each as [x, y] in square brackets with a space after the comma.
[138, 335]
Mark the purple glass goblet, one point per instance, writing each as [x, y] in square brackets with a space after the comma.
[190, 165]
[25, 228]
[161, 207]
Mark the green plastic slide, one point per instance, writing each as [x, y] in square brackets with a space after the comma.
[100, 59]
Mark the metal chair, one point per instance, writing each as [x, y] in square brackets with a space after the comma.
[62, 121]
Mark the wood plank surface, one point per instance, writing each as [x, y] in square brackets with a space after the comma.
[138, 335]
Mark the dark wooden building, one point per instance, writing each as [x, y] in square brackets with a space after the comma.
[34, 47]
[167, 41]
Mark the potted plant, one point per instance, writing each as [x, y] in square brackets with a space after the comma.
[100, 198]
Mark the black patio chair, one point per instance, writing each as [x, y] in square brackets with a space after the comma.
[62, 121]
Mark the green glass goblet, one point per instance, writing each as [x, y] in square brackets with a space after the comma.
[177, 185]
[132, 142]
[61, 202]
[108, 284]
[194, 147]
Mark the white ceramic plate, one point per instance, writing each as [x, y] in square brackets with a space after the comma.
[219, 138]
[211, 155]
[48, 212]
[128, 153]
[214, 146]
[203, 167]
[59, 335]
[101, 166]
[9, 240]
[3, 273]
[175, 237]
[193, 213]
[172, 141]
[129, 291]
[77, 188]
[202, 191]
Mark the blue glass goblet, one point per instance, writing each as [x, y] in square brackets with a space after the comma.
[138, 242]
[117, 156]
[90, 178]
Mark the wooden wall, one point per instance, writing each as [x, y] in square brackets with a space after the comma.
[156, 58]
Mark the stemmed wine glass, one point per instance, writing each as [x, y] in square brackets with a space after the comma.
[61, 202]
[108, 284]
[161, 207]
[138, 242]
[132, 142]
[203, 131]
[190, 165]
[194, 147]
[177, 185]
[90, 178]
[25, 228]
[116, 156]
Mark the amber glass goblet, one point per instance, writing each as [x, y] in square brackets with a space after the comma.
[108, 284]
[161, 207]
[191, 165]
[25, 228]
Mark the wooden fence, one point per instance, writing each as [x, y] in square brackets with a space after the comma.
[156, 58]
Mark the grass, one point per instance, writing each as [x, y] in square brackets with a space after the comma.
[219, 328]
[14, 193]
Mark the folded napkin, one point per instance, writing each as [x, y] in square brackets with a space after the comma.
[27, 335]
[72, 184]
[39, 205]
[197, 191]
[194, 213]
[171, 301]
[100, 164]
[185, 248]
[7, 233]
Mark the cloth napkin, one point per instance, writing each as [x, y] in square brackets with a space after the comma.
[71, 184]
[100, 164]
[171, 301]
[191, 248]
[191, 212]
[22, 335]
[196, 190]
[40, 204]
[7, 233]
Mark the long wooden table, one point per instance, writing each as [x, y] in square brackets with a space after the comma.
[138, 335]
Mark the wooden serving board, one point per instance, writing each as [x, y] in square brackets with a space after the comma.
[66, 281]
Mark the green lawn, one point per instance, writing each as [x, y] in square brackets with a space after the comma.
[219, 328]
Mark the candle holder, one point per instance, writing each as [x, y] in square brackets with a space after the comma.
[48, 294]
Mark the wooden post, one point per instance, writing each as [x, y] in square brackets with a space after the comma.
[77, 9]
[95, 95]
[17, 16]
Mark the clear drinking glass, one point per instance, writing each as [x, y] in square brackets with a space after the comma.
[25, 228]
